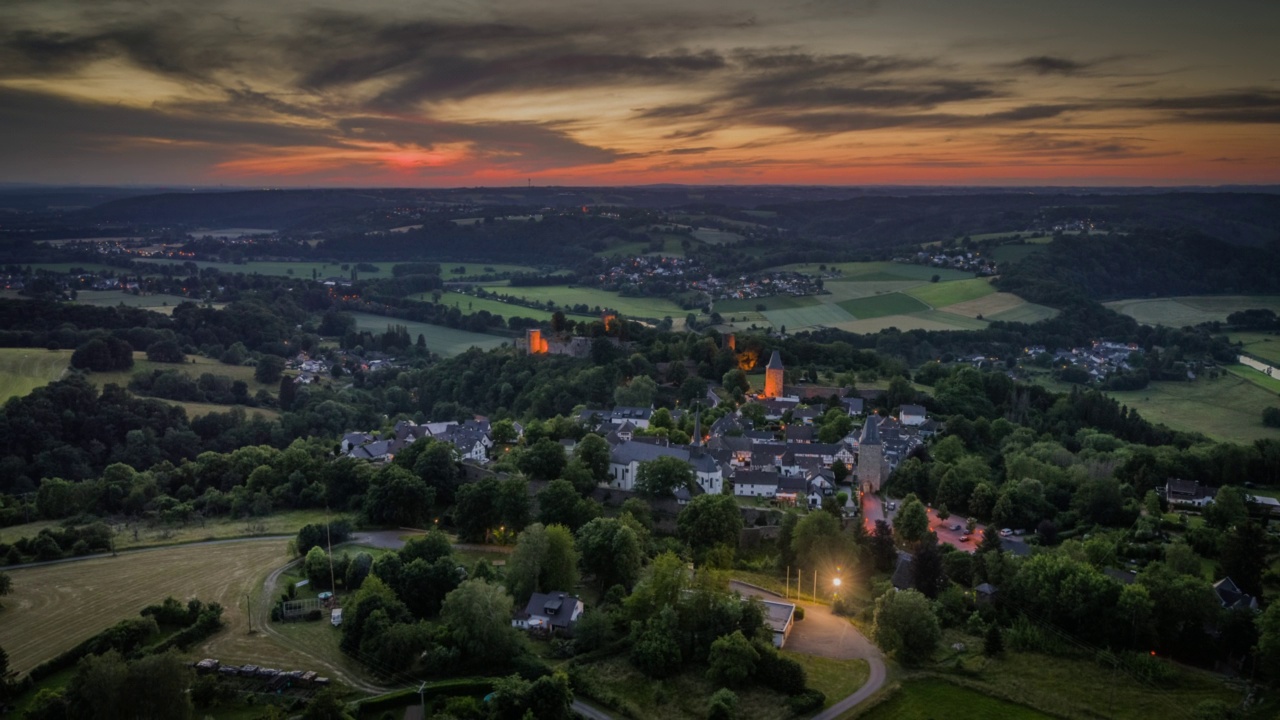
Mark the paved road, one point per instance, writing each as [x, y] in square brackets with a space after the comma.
[827, 635]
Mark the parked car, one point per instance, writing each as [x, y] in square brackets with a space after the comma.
[964, 538]
[956, 527]
[893, 506]
[1006, 532]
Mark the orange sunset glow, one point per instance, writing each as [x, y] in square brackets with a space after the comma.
[561, 92]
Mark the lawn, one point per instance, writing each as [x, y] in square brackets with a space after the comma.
[565, 295]
[1227, 408]
[111, 298]
[835, 678]
[25, 369]
[880, 271]
[1023, 313]
[1261, 345]
[1013, 253]
[940, 294]
[1192, 310]
[932, 699]
[443, 340]
[469, 304]
[882, 306]
[52, 608]
[915, 321]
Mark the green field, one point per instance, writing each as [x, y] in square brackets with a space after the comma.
[1013, 253]
[564, 295]
[713, 236]
[194, 367]
[1257, 377]
[1264, 346]
[443, 340]
[111, 298]
[880, 271]
[681, 697]
[469, 303]
[25, 369]
[940, 295]
[68, 267]
[1024, 313]
[822, 315]
[882, 306]
[932, 699]
[1191, 310]
[53, 607]
[301, 269]
[473, 270]
[1227, 408]
[773, 302]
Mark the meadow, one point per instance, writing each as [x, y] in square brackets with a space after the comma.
[565, 295]
[443, 340]
[930, 699]
[25, 369]
[835, 678]
[1191, 310]
[54, 607]
[1257, 377]
[145, 534]
[1264, 346]
[867, 297]
[111, 298]
[680, 697]
[1226, 408]
[469, 303]
[194, 367]
[298, 269]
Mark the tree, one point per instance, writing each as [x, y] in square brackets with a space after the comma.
[544, 560]
[326, 705]
[560, 566]
[708, 521]
[883, 551]
[662, 476]
[544, 460]
[900, 392]
[165, 351]
[993, 642]
[611, 551]
[912, 520]
[593, 452]
[316, 565]
[819, 543]
[1271, 417]
[905, 626]
[504, 431]
[732, 660]
[1228, 508]
[839, 470]
[926, 568]
[1268, 624]
[396, 497]
[637, 393]
[268, 369]
[287, 393]
[560, 504]
[654, 650]
[477, 617]
[430, 547]
[476, 512]
[990, 541]
[1244, 556]
[514, 507]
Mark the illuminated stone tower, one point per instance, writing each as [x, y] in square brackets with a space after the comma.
[773, 376]
[537, 344]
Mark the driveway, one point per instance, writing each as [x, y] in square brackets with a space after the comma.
[824, 634]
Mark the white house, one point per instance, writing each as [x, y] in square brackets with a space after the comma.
[912, 415]
[755, 483]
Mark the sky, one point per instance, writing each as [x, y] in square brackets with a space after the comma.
[446, 93]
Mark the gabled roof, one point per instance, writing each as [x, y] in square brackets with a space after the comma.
[557, 607]
[903, 578]
[911, 410]
[756, 477]
[870, 432]
[632, 451]
[1232, 597]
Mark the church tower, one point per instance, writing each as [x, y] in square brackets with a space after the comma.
[773, 377]
[870, 456]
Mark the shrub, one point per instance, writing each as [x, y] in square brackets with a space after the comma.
[809, 701]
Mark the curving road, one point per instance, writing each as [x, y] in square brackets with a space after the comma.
[825, 634]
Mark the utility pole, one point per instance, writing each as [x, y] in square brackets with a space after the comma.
[787, 593]
[422, 698]
[815, 586]
[248, 599]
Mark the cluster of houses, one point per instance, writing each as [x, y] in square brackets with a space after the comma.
[679, 274]
[472, 439]
[761, 285]
[642, 269]
[1101, 358]
[956, 260]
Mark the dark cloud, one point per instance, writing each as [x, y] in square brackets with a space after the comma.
[1249, 107]
[1050, 65]
[905, 94]
[827, 123]
[164, 44]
